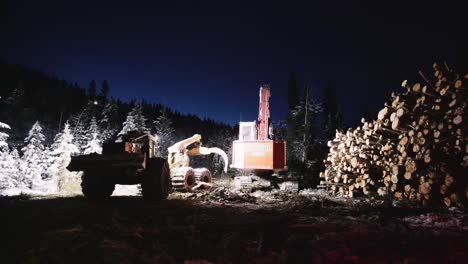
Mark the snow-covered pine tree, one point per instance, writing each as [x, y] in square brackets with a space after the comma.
[62, 150]
[94, 145]
[128, 125]
[304, 116]
[16, 162]
[3, 136]
[7, 164]
[109, 121]
[93, 126]
[135, 121]
[164, 132]
[47, 162]
[8, 172]
[93, 142]
[79, 131]
[79, 122]
[33, 163]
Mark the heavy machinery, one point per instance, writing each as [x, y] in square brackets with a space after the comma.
[134, 162]
[127, 163]
[183, 176]
[255, 150]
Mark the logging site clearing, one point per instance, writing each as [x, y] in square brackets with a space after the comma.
[225, 225]
[392, 191]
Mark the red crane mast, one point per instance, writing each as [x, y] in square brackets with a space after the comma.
[264, 120]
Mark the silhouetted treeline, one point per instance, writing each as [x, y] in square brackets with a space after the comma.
[28, 95]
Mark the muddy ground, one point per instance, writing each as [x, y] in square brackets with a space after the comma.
[224, 227]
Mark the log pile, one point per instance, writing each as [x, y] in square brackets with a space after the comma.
[416, 149]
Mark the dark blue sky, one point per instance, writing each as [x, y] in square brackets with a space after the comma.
[209, 57]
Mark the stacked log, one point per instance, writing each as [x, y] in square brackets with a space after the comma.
[416, 149]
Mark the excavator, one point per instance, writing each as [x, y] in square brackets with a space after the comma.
[134, 161]
[256, 151]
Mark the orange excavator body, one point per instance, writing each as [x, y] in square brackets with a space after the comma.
[256, 150]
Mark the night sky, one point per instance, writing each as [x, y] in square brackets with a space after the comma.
[209, 57]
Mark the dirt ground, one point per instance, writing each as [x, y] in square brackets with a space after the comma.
[224, 227]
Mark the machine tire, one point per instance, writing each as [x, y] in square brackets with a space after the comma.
[203, 175]
[156, 182]
[94, 187]
[207, 177]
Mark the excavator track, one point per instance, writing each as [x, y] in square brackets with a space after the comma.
[183, 179]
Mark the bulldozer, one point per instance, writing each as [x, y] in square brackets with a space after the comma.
[134, 161]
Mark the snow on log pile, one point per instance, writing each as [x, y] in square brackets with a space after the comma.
[415, 150]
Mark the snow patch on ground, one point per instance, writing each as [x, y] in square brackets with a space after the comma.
[71, 191]
[433, 220]
[126, 190]
[312, 192]
[25, 192]
[10, 192]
